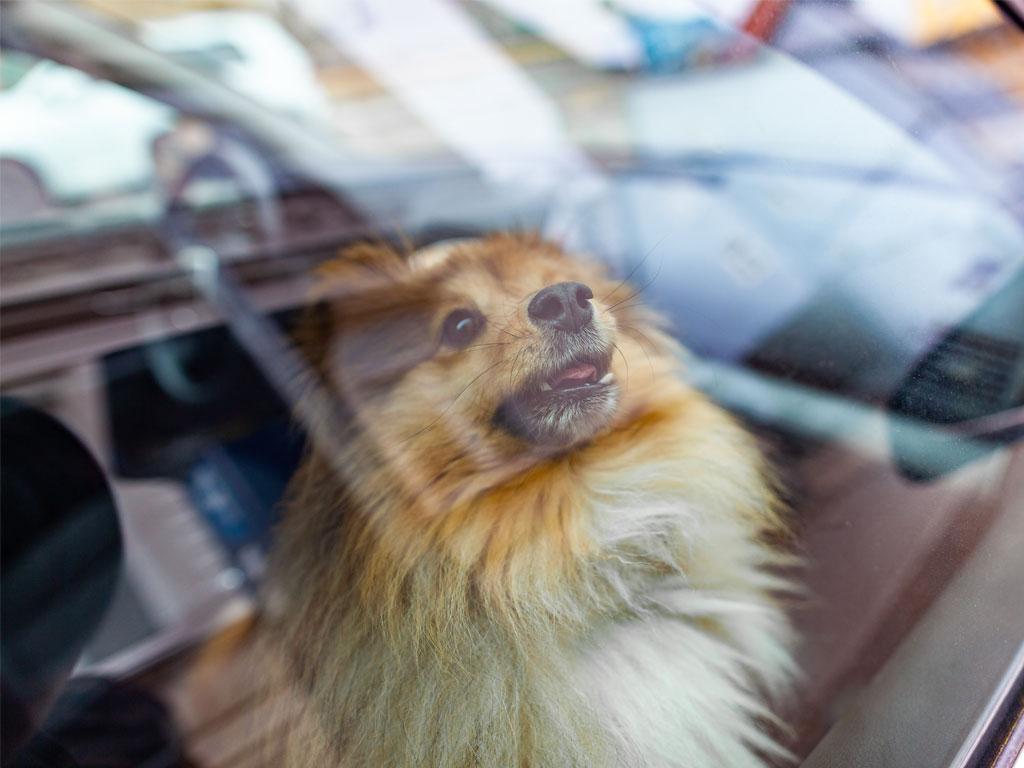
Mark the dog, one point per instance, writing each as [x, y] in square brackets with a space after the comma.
[532, 543]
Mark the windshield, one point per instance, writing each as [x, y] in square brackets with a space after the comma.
[224, 234]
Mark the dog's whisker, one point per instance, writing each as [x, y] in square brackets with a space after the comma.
[629, 297]
[530, 349]
[636, 266]
[620, 307]
[624, 362]
[512, 367]
[640, 338]
[489, 344]
[627, 277]
[616, 305]
[644, 336]
[643, 287]
[636, 332]
[432, 424]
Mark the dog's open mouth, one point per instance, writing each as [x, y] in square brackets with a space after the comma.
[563, 404]
[576, 378]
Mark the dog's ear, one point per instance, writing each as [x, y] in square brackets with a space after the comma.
[359, 270]
[375, 345]
[361, 267]
[369, 322]
[313, 332]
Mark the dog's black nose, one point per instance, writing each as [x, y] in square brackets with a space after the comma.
[565, 306]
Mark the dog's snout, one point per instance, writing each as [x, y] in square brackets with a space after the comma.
[565, 306]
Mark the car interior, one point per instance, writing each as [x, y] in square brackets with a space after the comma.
[161, 334]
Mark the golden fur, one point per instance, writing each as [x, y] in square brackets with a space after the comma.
[455, 593]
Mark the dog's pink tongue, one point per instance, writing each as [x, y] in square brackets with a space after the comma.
[580, 372]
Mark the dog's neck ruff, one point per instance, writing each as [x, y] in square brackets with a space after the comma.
[610, 606]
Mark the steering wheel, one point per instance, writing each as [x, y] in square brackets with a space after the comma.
[201, 367]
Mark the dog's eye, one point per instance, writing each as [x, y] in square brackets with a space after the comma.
[461, 327]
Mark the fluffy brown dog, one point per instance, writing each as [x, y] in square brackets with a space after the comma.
[536, 546]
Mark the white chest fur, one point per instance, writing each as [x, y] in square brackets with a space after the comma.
[679, 678]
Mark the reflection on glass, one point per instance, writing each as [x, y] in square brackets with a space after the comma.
[834, 236]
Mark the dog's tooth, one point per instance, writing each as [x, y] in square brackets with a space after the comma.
[545, 387]
[607, 378]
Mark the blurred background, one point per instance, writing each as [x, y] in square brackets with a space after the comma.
[825, 198]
